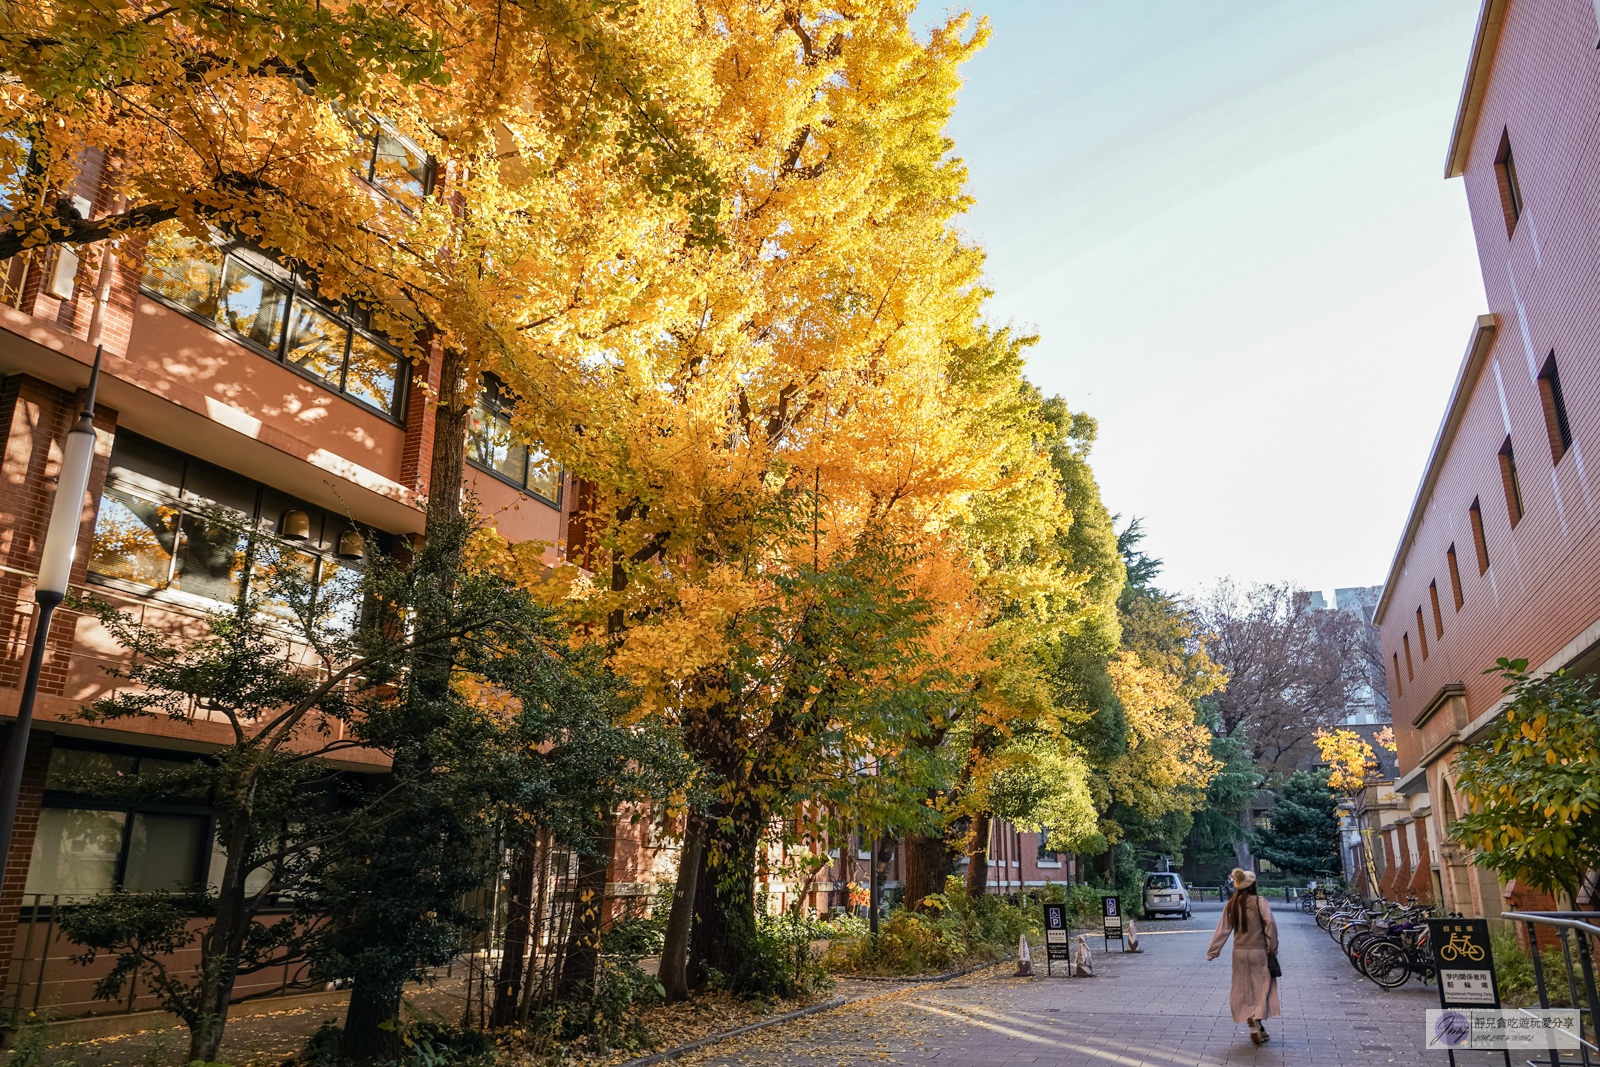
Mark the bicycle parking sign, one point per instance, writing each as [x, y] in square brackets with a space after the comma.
[1465, 963]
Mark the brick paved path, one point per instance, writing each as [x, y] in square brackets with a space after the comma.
[1163, 1007]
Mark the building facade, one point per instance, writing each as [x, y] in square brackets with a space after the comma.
[225, 384]
[1500, 556]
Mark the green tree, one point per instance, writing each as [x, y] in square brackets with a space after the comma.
[1304, 838]
[1532, 784]
[1217, 826]
[304, 671]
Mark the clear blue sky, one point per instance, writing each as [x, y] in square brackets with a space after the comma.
[1228, 221]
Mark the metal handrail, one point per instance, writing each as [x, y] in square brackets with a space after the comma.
[1555, 918]
[1565, 921]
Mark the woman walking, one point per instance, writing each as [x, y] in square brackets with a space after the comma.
[1248, 918]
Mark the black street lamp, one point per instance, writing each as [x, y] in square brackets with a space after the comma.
[55, 566]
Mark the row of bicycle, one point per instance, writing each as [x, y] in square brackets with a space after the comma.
[1385, 942]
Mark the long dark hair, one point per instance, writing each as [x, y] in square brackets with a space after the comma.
[1235, 909]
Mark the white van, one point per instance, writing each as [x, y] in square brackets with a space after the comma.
[1165, 894]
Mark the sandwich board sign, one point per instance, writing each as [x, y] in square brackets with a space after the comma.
[1111, 923]
[1465, 961]
[1056, 946]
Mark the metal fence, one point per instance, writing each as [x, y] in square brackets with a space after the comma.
[1579, 936]
[526, 916]
[46, 971]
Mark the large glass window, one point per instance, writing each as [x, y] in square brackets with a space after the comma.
[493, 446]
[75, 852]
[392, 162]
[170, 521]
[245, 293]
[86, 845]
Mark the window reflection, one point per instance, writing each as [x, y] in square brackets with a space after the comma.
[316, 342]
[75, 852]
[252, 305]
[185, 270]
[493, 445]
[401, 166]
[230, 289]
[544, 477]
[163, 851]
[69, 766]
[210, 557]
[133, 540]
[373, 372]
[195, 540]
[339, 596]
[290, 577]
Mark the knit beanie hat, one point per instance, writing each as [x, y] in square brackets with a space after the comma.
[1243, 879]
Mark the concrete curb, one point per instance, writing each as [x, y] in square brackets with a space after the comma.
[919, 979]
[815, 1009]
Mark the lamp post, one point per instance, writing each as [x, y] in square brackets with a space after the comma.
[55, 566]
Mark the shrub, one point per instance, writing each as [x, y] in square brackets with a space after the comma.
[596, 1025]
[778, 960]
[961, 931]
[843, 927]
[1514, 972]
[1083, 902]
[633, 937]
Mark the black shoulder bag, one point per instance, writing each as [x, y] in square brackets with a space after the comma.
[1272, 957]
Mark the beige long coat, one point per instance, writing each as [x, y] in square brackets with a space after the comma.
[1255, 991]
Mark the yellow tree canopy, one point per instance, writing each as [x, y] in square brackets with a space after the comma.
[471, 169]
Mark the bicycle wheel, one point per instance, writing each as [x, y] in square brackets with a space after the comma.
[1358, 945]
[1387, 964]
[1324, 914]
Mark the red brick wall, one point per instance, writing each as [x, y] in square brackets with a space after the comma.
[28, 801]
[421, 412]
[1420, 882]
[37, 417]
[1542, 588]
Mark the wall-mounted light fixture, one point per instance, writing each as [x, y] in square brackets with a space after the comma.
[296, 525]
[350, 546]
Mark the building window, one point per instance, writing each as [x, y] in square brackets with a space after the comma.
[1438, 619]
[1475, 515]
[1508, 480]
[168, 521]
[1555, 410]
[1422, 635]
[86, 846]
[1505, 172]
[492, 446]
[1046, 853]
[255, 300]
[390, 161]
[1405, 641]
[1399, 690]
[1455, 577]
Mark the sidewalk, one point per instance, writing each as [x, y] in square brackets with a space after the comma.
[1163, 1007]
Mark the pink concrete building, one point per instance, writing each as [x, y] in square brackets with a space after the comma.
[1500, 555]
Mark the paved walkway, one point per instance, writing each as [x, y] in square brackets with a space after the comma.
[1163, 1007]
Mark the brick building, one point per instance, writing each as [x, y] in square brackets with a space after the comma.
[1500, 555]
[225, 383]
[1017, 862]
